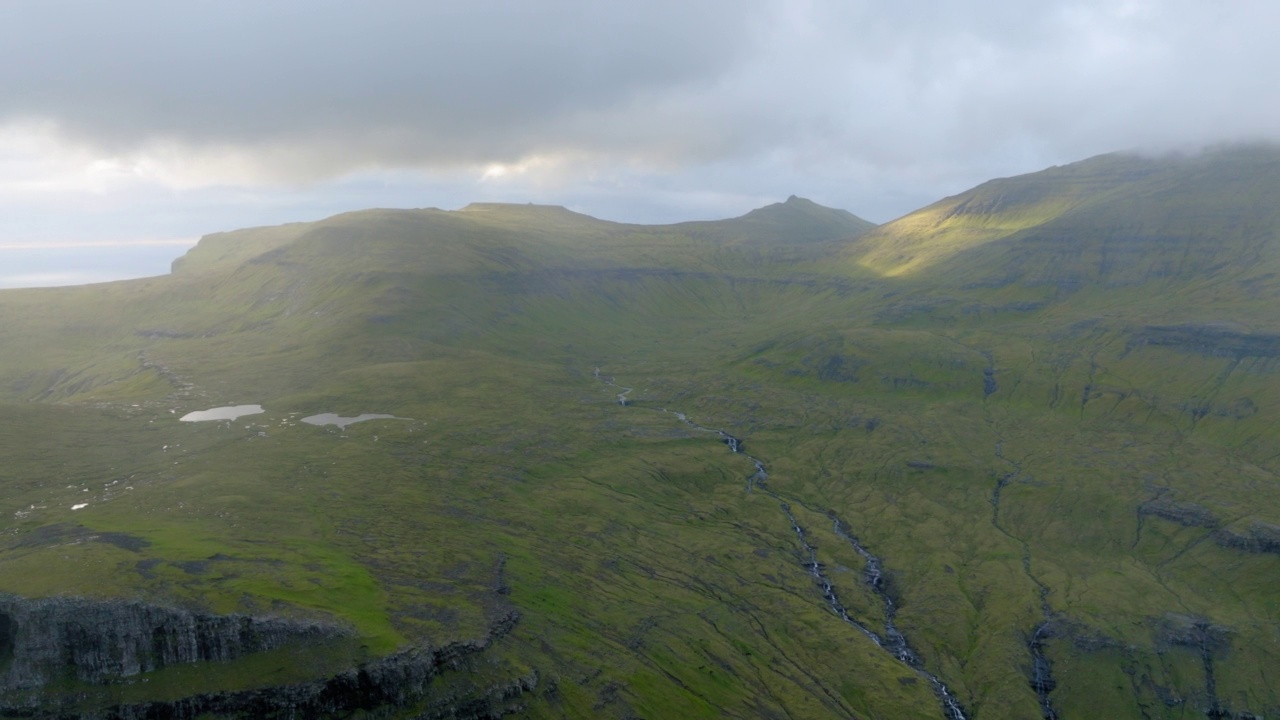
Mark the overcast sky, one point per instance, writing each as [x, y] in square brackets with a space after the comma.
[129, 128]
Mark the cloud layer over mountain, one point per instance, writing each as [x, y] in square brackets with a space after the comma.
[645, 111]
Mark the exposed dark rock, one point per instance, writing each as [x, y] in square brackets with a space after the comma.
[1212, 340]
[880, 582]
[1041, 675]
[838, 368]
[1204, 638]
[1260, 537]
[1185, 514]
[1168, 696]
[100, 641]
[61, 534]
[1197, 412]
[146, 568]
[1085, 638]
[193, 567]
[398, 682]
[499, 585]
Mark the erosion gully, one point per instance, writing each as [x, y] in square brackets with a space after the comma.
[1041, 678]
[1042, 681]
[890, 638]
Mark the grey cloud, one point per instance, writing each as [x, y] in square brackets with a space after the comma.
[875, 106]
[431, 80]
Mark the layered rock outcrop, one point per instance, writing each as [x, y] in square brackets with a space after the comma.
[98, 641]
[50, 646]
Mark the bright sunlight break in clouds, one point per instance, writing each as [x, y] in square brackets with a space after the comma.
[141, 119]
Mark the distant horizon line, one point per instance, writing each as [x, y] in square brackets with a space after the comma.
[68, 244]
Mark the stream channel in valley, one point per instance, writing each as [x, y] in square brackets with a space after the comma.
[889, 638]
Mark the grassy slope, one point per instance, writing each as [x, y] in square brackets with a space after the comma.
[650, 582]
[1075, 266]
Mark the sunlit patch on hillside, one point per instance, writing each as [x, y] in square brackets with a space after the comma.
[945, 229]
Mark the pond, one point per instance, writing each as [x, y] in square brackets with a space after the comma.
[343, 422]
[222, 413]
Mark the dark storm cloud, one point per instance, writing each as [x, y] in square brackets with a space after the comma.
[395, 81]
[700, 108]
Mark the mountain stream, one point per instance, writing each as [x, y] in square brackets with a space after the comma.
[891, 639]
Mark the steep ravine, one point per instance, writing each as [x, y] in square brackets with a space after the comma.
[892, 640]
[1041, 669]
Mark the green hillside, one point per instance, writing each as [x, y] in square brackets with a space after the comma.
[1040, 415]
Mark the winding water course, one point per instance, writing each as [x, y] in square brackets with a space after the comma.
[734, 444]
[1041, 679]
[892, 641]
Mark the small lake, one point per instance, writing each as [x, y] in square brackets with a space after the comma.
[343, 422]
[223, 413]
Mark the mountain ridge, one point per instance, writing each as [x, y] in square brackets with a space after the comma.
[1120, 192]
[817, 222]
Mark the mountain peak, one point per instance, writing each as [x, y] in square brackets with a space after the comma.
[794, 221]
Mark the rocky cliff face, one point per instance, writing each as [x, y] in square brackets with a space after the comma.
[395, 686]
[45, 642]
[1211, 340]
[94, 641]
[1259, 537]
